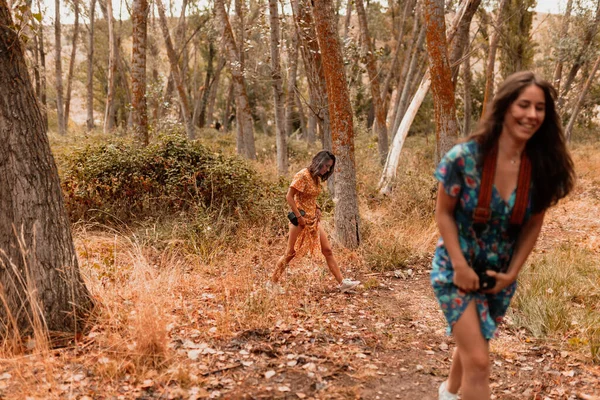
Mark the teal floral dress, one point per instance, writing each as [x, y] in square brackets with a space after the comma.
[460, 176]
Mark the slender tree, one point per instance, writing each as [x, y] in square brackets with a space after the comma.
[245, 129]
[72, 62]
[564, 31]
[109, 110]
[60, 108]
[90, 68]
[347, 221]
[40, 281]
[277, 82]
[581, 98]
[488, 93]
[139, 19]
[380, 126]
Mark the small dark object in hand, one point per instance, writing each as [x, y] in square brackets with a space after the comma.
[485, 281]
[292, 217]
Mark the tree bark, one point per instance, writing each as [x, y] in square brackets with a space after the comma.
[90, 69]
[441, 77]
[580, 99]
[347, 221]
[200, 110]
[488, 93]
[291, 96]
[467, 83]
[214, 87]
[72, 63]
[380, 126]
[564, 31]
[40, 280]
[109, 110]
[176, 73]
[60, 110]
[245, 130]
[277, 82]
[139, 19]
[461, 39]
[311, 56]
[580, 59]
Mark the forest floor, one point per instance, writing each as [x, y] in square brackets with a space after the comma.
[171, 329]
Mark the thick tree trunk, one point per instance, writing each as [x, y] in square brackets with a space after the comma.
[380, 126]
[60, 108]
[564, 31]
[139, 35]
[441, 78]
[277, 82]
[90, 69]
[580, 99]
[347, 221]
[176, 73]
[245, 130]
[40, 281]
[72, 63]
[488, 93]
[311, 56]
[109, 110]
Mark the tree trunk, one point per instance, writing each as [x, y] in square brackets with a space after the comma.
[580, 59]
[488, 93]
[228, 117]
[467, 83]
[90, 69]
[347, 19]
[277, 81]
[200, 112]
[290, 100]
[461, 39]
[564, 31]
[245, 130]
[214, 87]
[379, 127]
[58, 70]
[139, 19]
[580, 99]
[72, 63]
[176, 73]
[441, 78]
[311, 56]
[109, 111]
[347, 221]
[42, 288]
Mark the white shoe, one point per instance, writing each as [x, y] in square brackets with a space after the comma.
[445, 394]
[274, 288]
[347, 284]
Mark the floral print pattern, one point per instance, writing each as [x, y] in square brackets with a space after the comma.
[460, 176]
[308, 241]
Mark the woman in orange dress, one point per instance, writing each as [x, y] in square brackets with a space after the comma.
[308, 237]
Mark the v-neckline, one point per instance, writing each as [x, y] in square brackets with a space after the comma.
[507, 202]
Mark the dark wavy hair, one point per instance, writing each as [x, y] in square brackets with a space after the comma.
[553, 173]
[318, 161]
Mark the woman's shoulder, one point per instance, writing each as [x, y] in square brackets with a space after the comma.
[462, 151]
[303, 173]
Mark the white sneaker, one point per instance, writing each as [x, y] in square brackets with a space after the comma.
[445, 394]
[274, 288]
[347, 284]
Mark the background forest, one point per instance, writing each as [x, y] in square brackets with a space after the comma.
[176, 128]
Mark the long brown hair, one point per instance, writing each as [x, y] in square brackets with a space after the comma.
[317, 163]
[553, 173]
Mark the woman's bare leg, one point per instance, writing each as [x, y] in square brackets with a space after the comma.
[289, 253]
[455, 376]
[474, 355]
[328, 253]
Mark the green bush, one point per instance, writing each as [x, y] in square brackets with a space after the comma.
[118, 180]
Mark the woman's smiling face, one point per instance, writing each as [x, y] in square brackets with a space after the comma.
[526, 114]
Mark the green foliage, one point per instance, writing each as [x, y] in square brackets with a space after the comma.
[119, 180]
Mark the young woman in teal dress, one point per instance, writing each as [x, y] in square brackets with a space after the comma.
[522, 118]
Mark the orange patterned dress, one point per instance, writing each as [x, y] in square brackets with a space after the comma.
[308, 241]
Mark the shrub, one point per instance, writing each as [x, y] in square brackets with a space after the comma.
[118, 180]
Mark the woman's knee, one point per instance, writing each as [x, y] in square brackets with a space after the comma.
[476, 364]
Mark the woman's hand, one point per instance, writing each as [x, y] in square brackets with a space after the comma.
[318, 214]
[465, 278]
[502, 282]
[301, 222]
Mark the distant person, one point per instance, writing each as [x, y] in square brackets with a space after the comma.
[306, 235]
[217, 125]
[493, 193]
